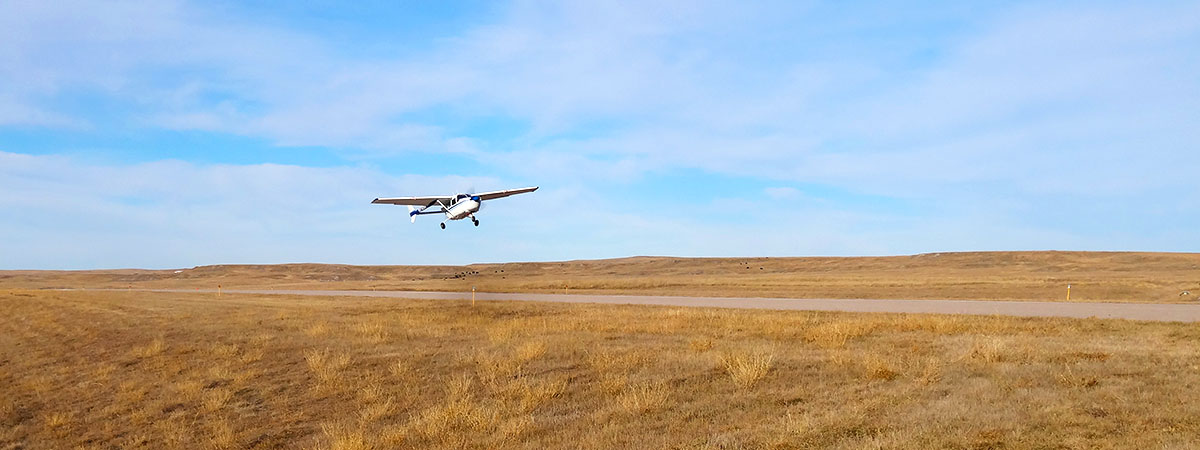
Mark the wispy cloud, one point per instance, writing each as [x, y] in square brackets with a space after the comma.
[60, 212]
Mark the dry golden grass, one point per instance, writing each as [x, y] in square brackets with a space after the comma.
[317, 330]
[644, 397]
[1094, 276]
[341, 436]
[746, 368]
[149, 350]
[402, 369]
[164, 370]
[530, 351]
[326, 365]
[371, 332]
[701, 345]
[879, 368]
[216, 399]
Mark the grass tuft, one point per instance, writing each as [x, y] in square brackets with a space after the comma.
[878, 368]
[224, 351]
[1068, 377]
[343, 436]
[317, 330]
[645, 397]
[372, 333]
[931, 372]
[835, 334]
[402, 370]
[747, 368]
[536, 393]
[58, 422]
[371, 412]
[530, 351]
[216, 399]
[154, 348]
[325, 365]
[514, 429]
[221, 435]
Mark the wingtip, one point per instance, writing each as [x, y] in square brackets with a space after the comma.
[376, 200]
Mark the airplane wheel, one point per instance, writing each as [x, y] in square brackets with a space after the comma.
[476, 223]
[443, 226]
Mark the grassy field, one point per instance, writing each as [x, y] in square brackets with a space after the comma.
[166, 370]
[1094, 276]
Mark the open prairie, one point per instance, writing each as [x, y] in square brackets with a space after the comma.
[188, 370]
[1094, 276]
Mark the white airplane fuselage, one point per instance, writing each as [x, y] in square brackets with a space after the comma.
[463, 209]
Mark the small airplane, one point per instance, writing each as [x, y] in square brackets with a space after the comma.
[456, 207]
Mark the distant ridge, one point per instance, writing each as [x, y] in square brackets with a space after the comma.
[1024, 275]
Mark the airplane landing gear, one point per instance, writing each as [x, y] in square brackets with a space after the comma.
[443, 225]
[475, 220]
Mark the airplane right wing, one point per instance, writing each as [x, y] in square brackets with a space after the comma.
[505, 193]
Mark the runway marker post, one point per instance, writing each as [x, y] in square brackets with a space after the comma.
[218, 290]
[1068, 292]
[472, 295]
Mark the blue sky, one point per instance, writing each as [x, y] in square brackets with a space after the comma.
[173, 133]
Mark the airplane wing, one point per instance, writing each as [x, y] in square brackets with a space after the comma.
[414, 201]
[501, 194]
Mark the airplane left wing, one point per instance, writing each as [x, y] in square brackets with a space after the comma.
[504, 193]
[413, 201]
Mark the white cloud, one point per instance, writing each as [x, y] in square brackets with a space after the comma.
[1033, 87]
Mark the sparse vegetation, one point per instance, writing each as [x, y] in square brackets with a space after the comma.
[175, 370]
[746, 368]
[325, 365]
[149, 350]
[371, 332]
[644, 397]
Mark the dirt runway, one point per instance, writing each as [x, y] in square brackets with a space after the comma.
[1133, 311]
